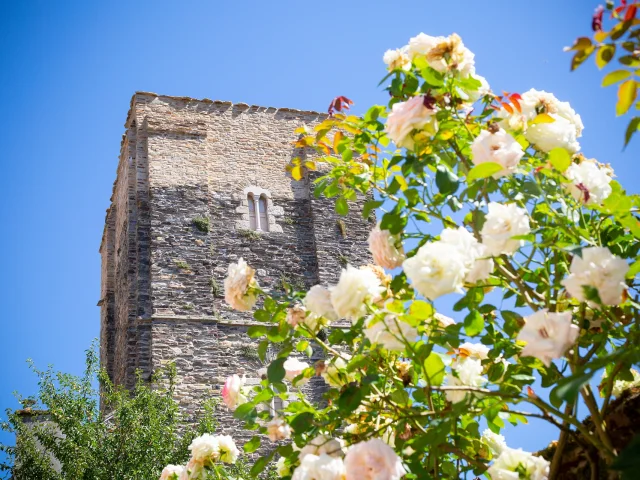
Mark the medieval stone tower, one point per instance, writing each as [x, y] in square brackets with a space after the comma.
[199, 184]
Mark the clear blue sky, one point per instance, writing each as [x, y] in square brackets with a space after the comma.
[68, 70]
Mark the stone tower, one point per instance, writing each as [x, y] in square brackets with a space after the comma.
[199, 184]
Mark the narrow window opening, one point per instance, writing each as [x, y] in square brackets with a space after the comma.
[264, 219]
[253, 225]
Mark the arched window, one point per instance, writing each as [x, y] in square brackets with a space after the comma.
[264, 218]
[253, 224]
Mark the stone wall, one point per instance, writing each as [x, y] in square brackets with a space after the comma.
[184, 159]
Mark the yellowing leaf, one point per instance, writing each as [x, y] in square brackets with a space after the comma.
[336, 140]
[296, 172]
[483, 170]
[402, 182]
[600, 36]
[560, 158]
[542, 118]
[615, 76]
[310, 165]
[446, 135]
[604, 55]
[626, 96]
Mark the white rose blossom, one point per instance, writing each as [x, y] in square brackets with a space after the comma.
[501, 224]
[483, 89]
[436, 269]
[390, 332]
[228, 450]
[422, 44]
[232, 391]
[407, 116]
[386, 248]
[598, 268]
[494, 441]
[562, 132]
[468, 373]
[205, 449]
[171, 472]
[282, 469]
[397, 58]
[498, 147]
[319, 308]
[474, 350]
[443, 53]
[354, 288]
[294, 367]
[296, 315]
[619, 386]
[240, 285]
[319, 467]
[278, 429]
[589, 181]
[478, 267]
[548, 335]
[373, 460]
[322, 444]
[514, 464]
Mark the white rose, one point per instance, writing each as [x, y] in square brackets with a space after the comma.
[500, 148]
[516, 464]
[443, 320]
[478, 267]
[278, 429]
[354, 288]
[335, 373]
[171, 472]
[562, 132]
[294, 367]
[548, 335]
[619, 386]
[422, 44]
[373, 460]
[228, 450]
[296, 315]
[386, 248]
[239, 286]
[322, 467]
[397, 58]
[205, 448]
[323, 445]
[436, 269]
[483, 89]
[600, 269]
[474, 350]
[392, 333]
[232, 391]
[318, 302]
[467, 373]
[501, 224]
[589, 181]
[407, 116]
[494, 441]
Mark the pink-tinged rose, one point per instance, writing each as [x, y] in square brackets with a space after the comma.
[240, 286]
[294, 367]
[171, 472]
[548, 335]
[296, 315]
[386, 248]
[498, 147]
[278, 429]
[373, 460]
[232, 392]
[407, 116]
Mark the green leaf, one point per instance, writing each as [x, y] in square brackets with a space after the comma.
[628, 461]
[263, 346]
[632, 128]
[434, 368]
[351, 398]
[302, 422]
[302, 345]
[446, 181]
[342, 208]
[483, 170]
[473, 324]
[560, 158]
[421, 309]
[244, 411]
[604, 55]
[262, 315]
[256, 331]
[370, 205]
[581, 56]
[615, 77]
[634, 269]
[260, 465]
[432, 77]
[275, 370]
[569, 387]
[627, 92]
[252, 445]
[373, 113]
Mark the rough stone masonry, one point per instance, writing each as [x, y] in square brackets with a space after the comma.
[183, 163]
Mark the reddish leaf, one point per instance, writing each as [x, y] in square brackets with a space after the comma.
[631, 13]
[338, 104]
[508, 107]
[515, 96]
[596, 22]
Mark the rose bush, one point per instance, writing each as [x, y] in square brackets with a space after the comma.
[482, 197]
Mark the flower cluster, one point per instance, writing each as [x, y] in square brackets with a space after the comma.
[205, 450]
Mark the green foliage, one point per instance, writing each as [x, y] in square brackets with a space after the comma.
[250, 234]
[182, 265]
[216, 290]
[102, 432]
[202, 224]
